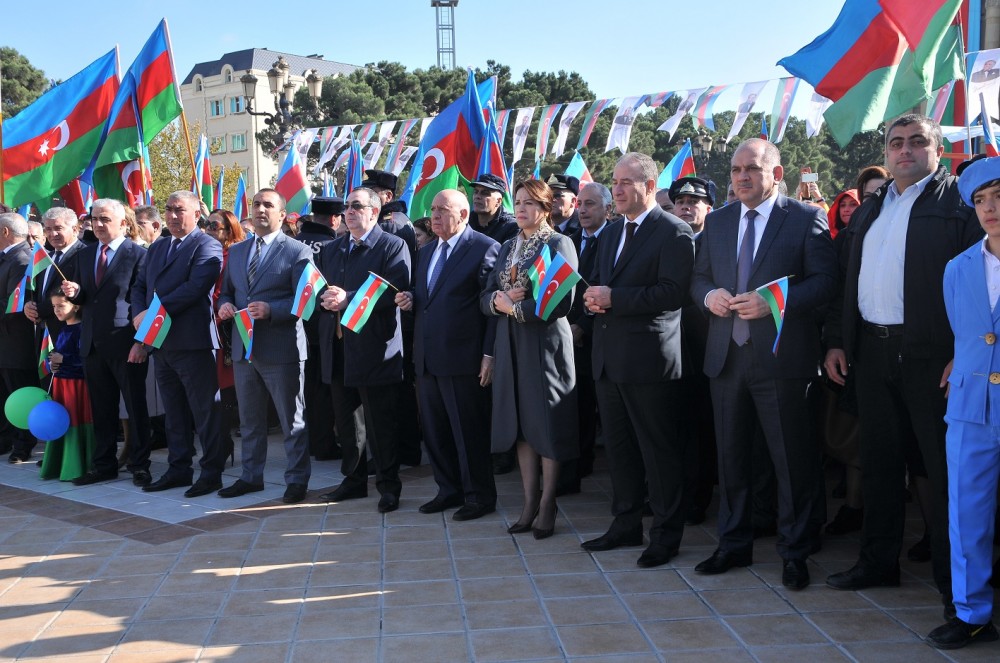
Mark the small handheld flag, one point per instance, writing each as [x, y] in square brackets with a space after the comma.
[310, 283]
[15, 303]
[244, 325]
[681, 165]
[360, 309]
[43, 355]
[155, 324]
[775, 294]
[39, 262]
[560, 279]
[536, 273]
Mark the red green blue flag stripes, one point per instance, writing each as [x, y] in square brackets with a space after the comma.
[544, 129]
[241, 206]
[155, 324]
[578, 169]
[682, 165]
[15, 303]
[560, 279]
[201, 182]
[43, 354]
[292, 183]
[311, 282]
[782, 109]
[703, 111]
[40, 261]
[217, 202]
[244, 325]
[775, 294]
[590, 121]
[536, 273]
[763, 127]
[355, 169]
[158, 96]
[360, 308]
[491, 160]
[51, 141]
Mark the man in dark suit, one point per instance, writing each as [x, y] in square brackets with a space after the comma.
[60, 224]
[594, 212]
[766, 237]
[18, 352]
[182, 272]
[639, 285]
[453, 352]
[113, 361]
[892, 330]
[261, 276]
[373, 356]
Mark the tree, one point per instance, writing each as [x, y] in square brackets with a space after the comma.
[21, 82]
[170, 165]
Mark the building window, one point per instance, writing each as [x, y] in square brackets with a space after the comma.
[215, 108]
[227, 75]
[217, 145]
[238, 142]
[197, 85]
[236, 105]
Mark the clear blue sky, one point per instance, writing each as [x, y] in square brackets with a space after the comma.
[620, 48]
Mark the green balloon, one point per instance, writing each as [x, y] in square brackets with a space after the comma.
[20, 403]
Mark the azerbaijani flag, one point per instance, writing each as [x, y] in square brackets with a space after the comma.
[775, 294]
[39, 262]
[217, 201]
[702, 112]
[360, 309]
[15, 303]
[578, 169]
[52, 140]
[560, 279]
[241, 206]
[879, 59]
[544, 128]
[763, 127]
[304, 302]
[536, 273]
[157, 92]
[782, 109]
[201, 181]
[682, 165]
[74, 194]
[43, 355]
[292, 184]
[155, 324]
[491, 160]
[988, 138]
[448, 154]
[355, 168]
[244, 325]
[590, 121]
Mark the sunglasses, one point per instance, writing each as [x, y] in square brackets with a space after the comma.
[215, 225]
[356, 206]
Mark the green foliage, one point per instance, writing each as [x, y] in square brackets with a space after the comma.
[20, 82]
[170, 165]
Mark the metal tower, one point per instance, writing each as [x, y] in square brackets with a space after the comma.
[445, 15]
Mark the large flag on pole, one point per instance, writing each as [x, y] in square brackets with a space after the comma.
[241, 206]
[680, 166]
[217, 202]
[51, 141]
[879, 59]
[157, 90]
[491, 160]
[621, 126]
[578, 169]
[292, 184]
[355, 167]
[201, 181]
[447, 156]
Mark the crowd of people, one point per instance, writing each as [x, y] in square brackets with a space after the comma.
[427, 337]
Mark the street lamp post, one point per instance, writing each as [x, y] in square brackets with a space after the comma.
[283, 91]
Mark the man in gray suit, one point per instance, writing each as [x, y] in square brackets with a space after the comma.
[764, 237]
[261, 276]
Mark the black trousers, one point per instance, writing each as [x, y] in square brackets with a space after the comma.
[188, 383]
[899, 404]
[106, 378]
[319, 423]
[382, 422]
[12, 379]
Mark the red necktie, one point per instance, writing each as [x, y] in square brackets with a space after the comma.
[102, 264]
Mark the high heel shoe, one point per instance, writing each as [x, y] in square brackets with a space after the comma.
[542, 533]
[520, 528]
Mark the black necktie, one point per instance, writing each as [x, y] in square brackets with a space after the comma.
[630, 227]
[741, 328]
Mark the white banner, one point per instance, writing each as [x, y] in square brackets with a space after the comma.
[332, 146]
[689, 99]
[522, 125]
[568, 115]
[621, 127]
[814, 117]
[748, 97]
[384, 133]
[404, 159]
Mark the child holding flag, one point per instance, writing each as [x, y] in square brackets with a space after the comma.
[69, 457]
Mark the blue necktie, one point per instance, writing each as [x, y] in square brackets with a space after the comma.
[741, 328]
[438, 268]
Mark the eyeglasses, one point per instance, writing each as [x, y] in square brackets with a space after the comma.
[213, 225]
[356, 206]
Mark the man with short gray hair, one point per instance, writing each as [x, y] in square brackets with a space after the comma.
[60, 225]
[17, 333]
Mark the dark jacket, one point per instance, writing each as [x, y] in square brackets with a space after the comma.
[501, 227]
[941, 226]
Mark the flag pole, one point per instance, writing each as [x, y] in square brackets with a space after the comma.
[1, 141]
[187, 141]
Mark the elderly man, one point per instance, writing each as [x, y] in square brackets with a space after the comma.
[453, 348]
[261, 276]
[765, 237]
[36, 232]
[113, 362]
[595, 209]
[491, 218]
[18, 352]
[565, 189]
[60, 232]
[373, 355]
[147, 217]
[182, 272]
[640, 282]
[892, 330]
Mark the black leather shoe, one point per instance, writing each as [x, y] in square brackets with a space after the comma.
[847, 520]
[141, 478]
[203, 487]
[764, 531]
[957, 634]
[863, 577]
[655, 555]
[503, 463]
[795, 574]
[241, 487]
[94, 477]
[18, 457]
[165, 483]
[344, 492]
[387, 503]
[294, 493]
[611, 540]
[723, 560]
[471, 511]
[440, 503]
[921, 550]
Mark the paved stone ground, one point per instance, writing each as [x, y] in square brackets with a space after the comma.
[108, 573]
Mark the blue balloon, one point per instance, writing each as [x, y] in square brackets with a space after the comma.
[48, 420]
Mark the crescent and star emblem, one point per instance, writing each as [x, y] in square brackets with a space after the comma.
[439, 161]
[64, 135]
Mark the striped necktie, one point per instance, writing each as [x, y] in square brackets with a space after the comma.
[254, 261]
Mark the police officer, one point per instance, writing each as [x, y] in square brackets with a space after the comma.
[565, 189]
